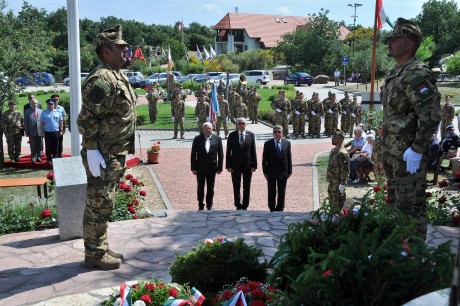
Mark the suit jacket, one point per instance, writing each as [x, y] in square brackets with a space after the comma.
[241, 158]
[31, 124]
[207, 162]
[274, 165]
[27, 106]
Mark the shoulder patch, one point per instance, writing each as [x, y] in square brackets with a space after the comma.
[98, 91]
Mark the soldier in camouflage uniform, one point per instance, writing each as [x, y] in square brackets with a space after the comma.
[201, 112]
[299, 111]
[232, 103]
[355, 114]
[178, 114]
[152, 98]
[337, 173]
[447, 115]
[345, 104]
[282, 107]
[250, 103]
[255, 105]
[332, 114]
[315, 111]
[326, 107]
[223, 116]
[411, 114]
[12, 125]
[240, 110]
[107, 123]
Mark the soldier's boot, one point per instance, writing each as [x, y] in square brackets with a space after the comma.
[106, 262]
[115, 254]
[182, 136]
[175, 136]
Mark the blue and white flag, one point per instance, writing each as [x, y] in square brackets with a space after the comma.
[198, 54]
[214, 110]
[206, 53]
[213, 53]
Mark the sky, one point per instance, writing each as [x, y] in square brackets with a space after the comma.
[206, 12]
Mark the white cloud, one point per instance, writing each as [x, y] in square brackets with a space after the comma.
[210, 8]
[283, 10]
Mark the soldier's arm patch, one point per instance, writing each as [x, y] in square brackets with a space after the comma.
[98, 92]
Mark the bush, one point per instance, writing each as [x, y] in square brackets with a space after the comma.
[216, 263]
[128, 199]
[365, 256]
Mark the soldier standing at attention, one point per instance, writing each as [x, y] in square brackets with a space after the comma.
[222, 119]
[152, 97]
[338, 170]
[282, 107]
[355, 114]
[345, 117]
[300, 108]
[201, 112]
[12, 123]
[316, 112]
[241, 110]
[326, 108]
[411, 114]
[332, 114]
[107, 122]
[447, 115]
[255, 105]
[178, 115]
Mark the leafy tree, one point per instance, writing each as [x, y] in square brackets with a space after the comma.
[425, 51]
[453, 64]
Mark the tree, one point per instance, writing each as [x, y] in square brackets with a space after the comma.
[453, 64]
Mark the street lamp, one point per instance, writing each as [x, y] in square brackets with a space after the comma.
[355, 5]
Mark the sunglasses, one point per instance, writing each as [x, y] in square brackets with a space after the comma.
[277, 132]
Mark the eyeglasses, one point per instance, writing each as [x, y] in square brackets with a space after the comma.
[277, 132]
[241, 123]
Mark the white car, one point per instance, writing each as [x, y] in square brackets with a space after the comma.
[257, 76]
[83, 76]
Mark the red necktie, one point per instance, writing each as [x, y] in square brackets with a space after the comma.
[35, 114]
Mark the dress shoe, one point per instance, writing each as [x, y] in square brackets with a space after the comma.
[209, 208]
[201, 208]
[106, 262]
[39, 159]
[116, 255]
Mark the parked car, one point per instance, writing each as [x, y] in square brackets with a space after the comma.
[135, 81]
[133, 73]
[214, 73]
[257, 76]
[37, 78]
[83, 76]
[234, 78]
[178, 75]
[150, 80]
[162, 78]
[298, 78]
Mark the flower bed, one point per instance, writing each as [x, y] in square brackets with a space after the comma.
[443, 204]
[129, 198]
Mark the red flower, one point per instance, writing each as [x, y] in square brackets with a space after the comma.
[428, 194]
[122, 185]
[128, 176]
[215, 299]
[161, 285]
[253, 285]
[50, 176]
[173, 292]
[130, 204]
[442, 184]
[258, 303]
[442, 199]
[134, 181]
[344, 211]
[135, 286]
[136, 217]
[135, 202]
[127, 188]
[455, 220]
[271, 288]
[376, 188]
[146, 299]
[227, 294]
[149, 287]
[143, 193]
[243, 288]
[257, 294]
[457, 174]
[328, 272]
[387, 200]
[385, 187]
[158, 142]
[133, 211]
[45, 213]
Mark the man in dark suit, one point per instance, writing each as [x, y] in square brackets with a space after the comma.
[450, 140]
[206, 160]
[31, 97]
[241, 159]
[277, 167]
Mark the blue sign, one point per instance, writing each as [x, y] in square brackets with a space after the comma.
[345, 60]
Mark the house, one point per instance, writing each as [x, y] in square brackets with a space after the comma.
[239, 32]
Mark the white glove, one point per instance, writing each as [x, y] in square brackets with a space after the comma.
[183, 119]
[353, 115]
[342, 188]
[322, 117]
[297, 113]
[278, 110]
[412, 160]
[288, 117]
[95, 162]
[329, 111]
[172, 118]
[196, 119]
[313, 113]
[344, 112]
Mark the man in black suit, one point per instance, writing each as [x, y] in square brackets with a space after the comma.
[206, 160]
[450, 140]
[241, 159]
[31, 97]
[277, 167]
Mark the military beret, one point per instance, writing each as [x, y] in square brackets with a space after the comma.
[406, 28]
[12, 103]
[339, 133]
[50, 101]
[110, 36]
[450, 127]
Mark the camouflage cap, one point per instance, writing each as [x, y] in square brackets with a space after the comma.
[12, 103]
[339, 133]
[406, 28]
[110, 36]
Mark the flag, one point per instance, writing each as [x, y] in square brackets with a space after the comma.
[170, 62]
[382, 18]
[163, 53]
[214, 110]
[129, 54]
[138, 54]
[206, 53]
[238, 299]
[197, 296]
[125, 294]
[181, 26]
[213, 53]
[177, 302]
[198, 54]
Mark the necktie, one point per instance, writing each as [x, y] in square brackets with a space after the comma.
[241, 139]
[35, 114]
[278, 146]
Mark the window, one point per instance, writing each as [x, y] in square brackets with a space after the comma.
[284, 20]
[277, 20]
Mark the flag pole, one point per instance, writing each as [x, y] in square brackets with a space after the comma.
[374, 57]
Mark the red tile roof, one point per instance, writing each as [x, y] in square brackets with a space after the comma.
[266, 27]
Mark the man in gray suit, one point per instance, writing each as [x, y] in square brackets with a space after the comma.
[31, 128]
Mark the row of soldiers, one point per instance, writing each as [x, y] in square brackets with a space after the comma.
[299, 111]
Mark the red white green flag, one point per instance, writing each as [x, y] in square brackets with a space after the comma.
[125, 294]
[382, 17]
[237, 300]
[197, 296]
[177, 302]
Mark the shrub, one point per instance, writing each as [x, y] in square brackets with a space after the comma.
[216, 263]
[141, 119]
[128, 199]
[365, 256]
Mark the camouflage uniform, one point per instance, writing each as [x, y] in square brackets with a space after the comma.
[12, 123]
[447, 115]
[299, 111]
[316, 111]
[355, 114]
[338, 170]
[332, 115]
[377, 158]
[255, 105]
[411, 114]
[201, 112]
[178, 113]
[232, 103]
[153, 97]
[241, 110]
[250, 104]
[282, 107]
[345, 104]
[107, 122]
[326, 103]
[223, 116]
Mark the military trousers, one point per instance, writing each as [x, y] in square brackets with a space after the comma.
[407, 191]
[100, 196]
[178, 124]
[336, 199]
[153, 110]
[221, 121]
[281, 119]
[14, 145]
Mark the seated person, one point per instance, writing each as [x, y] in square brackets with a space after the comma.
[357, 143]
[433, 153]
[449, 140]
[362, 159]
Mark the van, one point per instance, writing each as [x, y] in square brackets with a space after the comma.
[257, 76]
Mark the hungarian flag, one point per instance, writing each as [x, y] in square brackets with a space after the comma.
[198, 54]
[206, 53]
[129, 54]
[237, 300]
[177, 302]
[213, 53]
[125, 294]
[382, 18]
[197, 296]
[214, 110]
[138, 54]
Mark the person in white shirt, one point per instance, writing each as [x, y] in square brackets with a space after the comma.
[362, 159]
[337, 77]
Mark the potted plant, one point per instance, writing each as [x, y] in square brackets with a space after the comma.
[153, 152]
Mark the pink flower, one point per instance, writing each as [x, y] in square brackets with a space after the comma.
[328, 272]
[143, 193]
[45, 213]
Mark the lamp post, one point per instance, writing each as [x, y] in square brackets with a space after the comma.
[355, 5]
